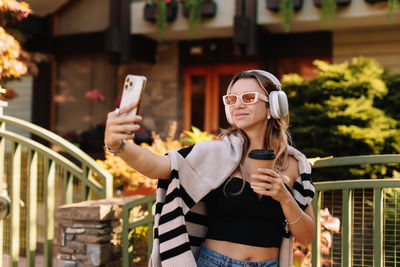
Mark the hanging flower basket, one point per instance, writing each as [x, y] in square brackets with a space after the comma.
[318, 3]
[273, 5]
[161, 13]
[208, 10]
[150, 12]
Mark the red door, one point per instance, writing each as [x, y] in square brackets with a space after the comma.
[204, 87]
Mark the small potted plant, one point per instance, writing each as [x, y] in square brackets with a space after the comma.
[275, 5]
[161, 12]
[328, 8]
[286, 10]
[320, 3]
[392, 5]
[195, 10]
[207, 8]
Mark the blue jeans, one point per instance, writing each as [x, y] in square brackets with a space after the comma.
[210, 258]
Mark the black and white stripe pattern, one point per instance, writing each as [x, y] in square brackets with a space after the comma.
[180, 223]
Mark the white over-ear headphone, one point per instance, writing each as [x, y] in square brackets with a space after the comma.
[278, 103]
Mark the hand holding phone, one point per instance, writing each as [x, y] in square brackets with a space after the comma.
[132, 92]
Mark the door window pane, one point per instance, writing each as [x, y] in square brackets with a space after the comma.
[223, 82]
[198, 101]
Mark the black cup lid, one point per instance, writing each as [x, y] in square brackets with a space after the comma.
[262, 154]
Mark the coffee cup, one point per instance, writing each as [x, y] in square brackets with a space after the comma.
[260, 158]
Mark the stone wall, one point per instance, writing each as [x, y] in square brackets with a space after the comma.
[162, 100]
[88, 233]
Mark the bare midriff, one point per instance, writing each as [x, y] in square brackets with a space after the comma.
[242, 252]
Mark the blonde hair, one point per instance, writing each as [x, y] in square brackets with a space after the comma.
[277, 136]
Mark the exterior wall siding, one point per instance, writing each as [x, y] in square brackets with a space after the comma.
[21, 106]
[84, 17]
[381, 43]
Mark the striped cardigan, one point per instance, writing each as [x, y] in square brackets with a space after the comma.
[180, 223]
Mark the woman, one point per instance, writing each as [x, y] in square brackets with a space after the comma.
[246, 212]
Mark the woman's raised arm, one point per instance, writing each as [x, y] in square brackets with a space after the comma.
[119, 129]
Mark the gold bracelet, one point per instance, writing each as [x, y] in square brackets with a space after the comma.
[301, 215]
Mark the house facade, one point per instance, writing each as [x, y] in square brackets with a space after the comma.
[94, 44]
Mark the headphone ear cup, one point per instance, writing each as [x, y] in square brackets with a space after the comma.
[273, 105]
[278, 104]
[283, 104]
[228, 115]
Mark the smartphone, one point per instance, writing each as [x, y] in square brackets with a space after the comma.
[133, 89]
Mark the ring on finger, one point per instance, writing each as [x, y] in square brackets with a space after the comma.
[270, 187]
[116, 111]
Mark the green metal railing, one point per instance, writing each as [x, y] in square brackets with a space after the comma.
[128, 226]
[346, 187]
[42, 160]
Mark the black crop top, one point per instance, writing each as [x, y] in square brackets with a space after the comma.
[244, 218]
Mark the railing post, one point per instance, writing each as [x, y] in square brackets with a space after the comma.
[85, 189]
[316, 244]
[108, 187]
[68, 185]
[150, 230]
[50, 203]
[32, 209]
[125, 240]
[15, 204]
[2, 158]
[378, 227]
[347, 199]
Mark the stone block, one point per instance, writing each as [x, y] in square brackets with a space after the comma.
[101, 231]
[64, 256]
[74, 212]
[69, 237]
[94, 239]
[116, 223]
[64, 263]
[93, 210]
[64, 223]
[117, 230]
[71, 230]
[66, 250]
[62, 238]
[98, 253]
[96, 225]
[79, 257]
[78, 247]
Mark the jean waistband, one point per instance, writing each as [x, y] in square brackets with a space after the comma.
[215, 256]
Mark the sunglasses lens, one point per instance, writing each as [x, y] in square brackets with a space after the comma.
[249, 98]
[230, 99]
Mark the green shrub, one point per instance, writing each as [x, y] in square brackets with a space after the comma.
[346, 110]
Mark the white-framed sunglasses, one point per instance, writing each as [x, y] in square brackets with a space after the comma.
[246, 98]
